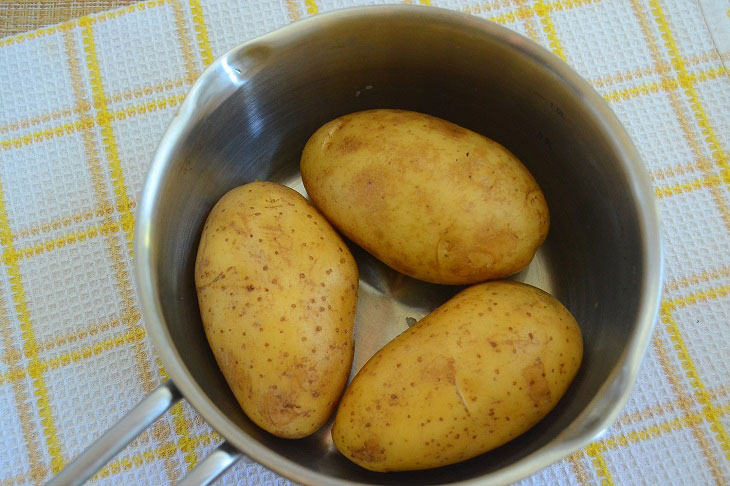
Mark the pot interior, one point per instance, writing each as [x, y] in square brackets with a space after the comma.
[258, 107]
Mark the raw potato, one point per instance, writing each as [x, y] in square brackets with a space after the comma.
[475, 373]
[277, 289]
[430, 199]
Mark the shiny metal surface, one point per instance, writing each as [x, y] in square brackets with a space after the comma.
[212, 466]
[248, 117]
[115, 439]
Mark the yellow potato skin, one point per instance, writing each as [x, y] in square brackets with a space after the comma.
[277, 289]
[432, 200]
[475, 373]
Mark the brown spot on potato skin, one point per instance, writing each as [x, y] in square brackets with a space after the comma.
[367, 188]
[538, 387]
[440, 368]
[349, 144]
[370, 451]
[280, 408]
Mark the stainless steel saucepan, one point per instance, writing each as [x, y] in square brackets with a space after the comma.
[248, 117]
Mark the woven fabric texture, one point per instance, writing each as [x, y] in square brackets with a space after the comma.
[83, 104]
[24, 15]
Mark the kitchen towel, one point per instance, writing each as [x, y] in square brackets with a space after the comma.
[83, 105]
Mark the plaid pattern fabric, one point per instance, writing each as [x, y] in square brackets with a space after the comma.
[82, 105]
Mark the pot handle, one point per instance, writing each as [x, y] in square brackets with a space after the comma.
[212, 466]
[103, 449]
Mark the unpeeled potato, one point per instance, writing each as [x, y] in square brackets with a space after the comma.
[277, 289]
[472, 375]
[429, 198]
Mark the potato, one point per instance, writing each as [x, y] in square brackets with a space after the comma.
[430, 199]
[277, 289]
[475, 373]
